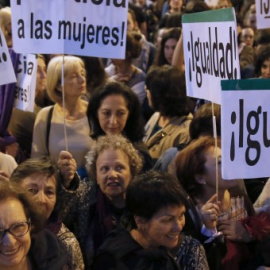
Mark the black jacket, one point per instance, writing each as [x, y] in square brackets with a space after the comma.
[46, 252]
[121, 252]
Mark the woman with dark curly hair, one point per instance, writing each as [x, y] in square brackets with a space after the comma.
[169, 125]
[122, 70]
[115, 109]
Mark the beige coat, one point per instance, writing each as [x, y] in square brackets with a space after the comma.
[172, 134]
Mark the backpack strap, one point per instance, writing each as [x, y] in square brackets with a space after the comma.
[49, 119]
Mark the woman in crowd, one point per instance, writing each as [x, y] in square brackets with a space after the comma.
[93, 208]
[5, 24]
[122, 70]
[151, 237]
[115, 109]
[201, 125]
[167, 46]
[169, 125]
[146, 57]
[70, 113]
[262, 62]
[38, 178]
[96, 75]
[23, 245]
[174, 6]
[195, 168]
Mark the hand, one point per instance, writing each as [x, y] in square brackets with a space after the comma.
[4, 176]
[67, 166]
[234, 230]
[209, 212]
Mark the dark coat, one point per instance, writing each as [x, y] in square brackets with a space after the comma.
[46, 252]
[121, 252]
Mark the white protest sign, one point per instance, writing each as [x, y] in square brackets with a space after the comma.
[263, 13]
[211, 52]
[26, 82]
[245, 130]
[7, 74]
[80, 27]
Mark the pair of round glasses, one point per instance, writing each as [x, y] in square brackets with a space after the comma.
[17, 230]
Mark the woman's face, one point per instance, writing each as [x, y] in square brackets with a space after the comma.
[210, 170]
[131, 26]
[75, 82]
[113, 114]
[6, 28]
[13, 250]
[248, 36]
[164, 228]
[176, 5]
[265, 69]
[113, 173]
[41, 75]
[43, 190]
[169, 48]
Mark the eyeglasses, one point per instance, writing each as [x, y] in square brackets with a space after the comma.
[17, 230]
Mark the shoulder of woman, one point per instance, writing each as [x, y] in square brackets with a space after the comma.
[43, 113]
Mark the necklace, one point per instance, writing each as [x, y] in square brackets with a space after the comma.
[77, 113]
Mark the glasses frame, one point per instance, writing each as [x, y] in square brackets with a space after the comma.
[8, 230]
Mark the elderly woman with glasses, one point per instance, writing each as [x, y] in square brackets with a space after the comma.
[23, 246]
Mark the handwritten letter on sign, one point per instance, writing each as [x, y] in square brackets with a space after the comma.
[80, 27]
[7, 74]
[263, 13]
[211, 52]
[26, 82]
[245, 122]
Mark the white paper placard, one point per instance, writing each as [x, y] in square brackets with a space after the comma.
[80, 27]
[7, 74]
[210, 51]
[245, 128]
[263, 14]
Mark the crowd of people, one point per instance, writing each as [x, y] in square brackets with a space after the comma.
[117, 168]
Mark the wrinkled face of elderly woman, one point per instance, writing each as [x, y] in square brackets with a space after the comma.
[14, 243]
[113, 174]
[43, 190]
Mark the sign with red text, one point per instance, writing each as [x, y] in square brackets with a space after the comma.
[26, 82]
[245, 132]
[263, 14]
[7, 74]
[80, 27]
[210, 52]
